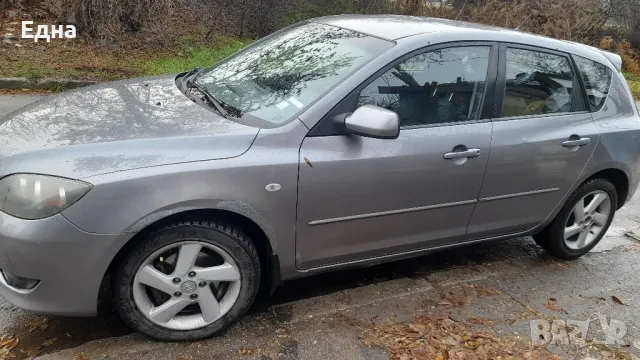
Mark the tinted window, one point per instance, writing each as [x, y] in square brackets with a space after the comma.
[597, 80]
[281, 75]
[440, 86]
[537, 83]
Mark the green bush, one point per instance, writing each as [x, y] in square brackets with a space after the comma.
[634, 84]
[192, 57]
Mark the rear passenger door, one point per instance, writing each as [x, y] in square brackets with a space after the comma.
[543, 137]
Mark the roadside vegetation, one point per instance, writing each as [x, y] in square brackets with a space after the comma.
[634, 83]
[76, 62]
[90, 59]
[128, 38]
[191, 57]
[98, 65]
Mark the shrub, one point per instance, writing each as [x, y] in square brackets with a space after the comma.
[630, 61]
[585, 21]
[104, 19]
[629, 57]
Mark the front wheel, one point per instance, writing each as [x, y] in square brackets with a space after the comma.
[582, 222]
[187, 281]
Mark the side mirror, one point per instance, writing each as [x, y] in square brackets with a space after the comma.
[373, 121]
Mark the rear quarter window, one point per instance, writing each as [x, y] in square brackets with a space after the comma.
[597, 81]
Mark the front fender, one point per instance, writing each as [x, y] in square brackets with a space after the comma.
[237, 207]
[126, 202]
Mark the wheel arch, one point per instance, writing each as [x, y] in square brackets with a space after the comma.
[269, 262]
[616, 175]
[618, 178]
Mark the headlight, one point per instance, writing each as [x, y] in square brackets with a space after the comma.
[31, 196]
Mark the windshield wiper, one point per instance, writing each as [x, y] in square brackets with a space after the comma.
[183, 78]
[190, 83]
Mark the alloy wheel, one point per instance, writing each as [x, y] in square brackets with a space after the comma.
[186, 285]
[587, 220]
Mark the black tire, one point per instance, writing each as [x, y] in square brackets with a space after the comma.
[227, 237]
[551, 238]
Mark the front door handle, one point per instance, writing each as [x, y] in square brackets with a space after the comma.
[471, 153]
[578, 142]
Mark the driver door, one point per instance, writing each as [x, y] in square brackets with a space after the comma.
[361, 198]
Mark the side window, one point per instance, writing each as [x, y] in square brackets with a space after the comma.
[537, 83]
[440, 86]
[597, 80]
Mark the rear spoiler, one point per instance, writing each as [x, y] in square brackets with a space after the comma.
[615, 59]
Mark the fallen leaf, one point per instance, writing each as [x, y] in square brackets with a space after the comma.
[616, 300]
[559, 264]
[4, 353]
[445, 338]
[11, 343]
[38, 323]
[49, 342]
[479, 320]
[533, 311]
[5, 340]
[552, 304]
[31, 353]
[82, 357]
[249, 351]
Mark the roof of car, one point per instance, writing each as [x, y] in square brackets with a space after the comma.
[394, 27]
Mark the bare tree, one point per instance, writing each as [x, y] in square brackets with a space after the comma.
[108, 19]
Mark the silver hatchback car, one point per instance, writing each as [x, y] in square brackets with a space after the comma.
[340, 141]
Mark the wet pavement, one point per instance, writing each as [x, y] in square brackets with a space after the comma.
[498, 286]
[9, 103]
[327, 316]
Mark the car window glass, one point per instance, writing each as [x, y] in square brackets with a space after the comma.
[440, 86]
[597, 80]
[281, 75]
[537, 83]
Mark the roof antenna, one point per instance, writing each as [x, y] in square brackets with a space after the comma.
[517, 28]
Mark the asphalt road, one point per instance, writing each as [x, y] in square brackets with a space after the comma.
[326, 317]
[9, 103]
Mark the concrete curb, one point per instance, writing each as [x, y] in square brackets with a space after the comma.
[43, 84]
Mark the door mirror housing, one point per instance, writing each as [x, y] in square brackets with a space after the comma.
[374, 122]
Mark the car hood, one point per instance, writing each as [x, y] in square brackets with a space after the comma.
[116, 126]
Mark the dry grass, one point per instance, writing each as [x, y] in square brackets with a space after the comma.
[72, 60]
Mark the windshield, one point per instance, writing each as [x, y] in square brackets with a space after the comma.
[278, 77]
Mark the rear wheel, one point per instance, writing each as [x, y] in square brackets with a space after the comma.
[582, 222]
[187, 281]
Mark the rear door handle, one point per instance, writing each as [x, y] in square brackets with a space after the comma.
[471, 153]
[579, 142]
